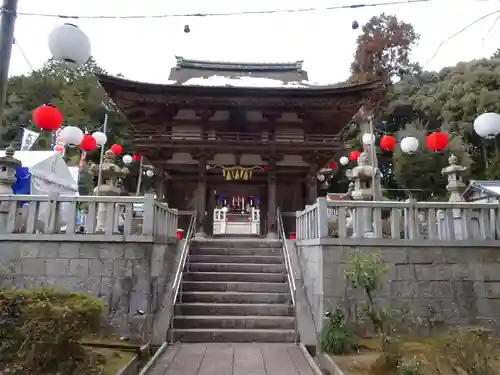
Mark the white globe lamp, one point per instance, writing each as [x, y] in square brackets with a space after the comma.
[344, 160]
[321, 177]
[368, 139]
[149, 173]
[487, 125]
[100, 138]
[127, 159]
[409, 145]
[71, 136]
[69, 44]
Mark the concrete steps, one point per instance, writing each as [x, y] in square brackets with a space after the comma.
[234, 291]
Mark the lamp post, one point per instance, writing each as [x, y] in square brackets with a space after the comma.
[8, 15]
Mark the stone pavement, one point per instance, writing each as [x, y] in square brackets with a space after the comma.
[232, 359]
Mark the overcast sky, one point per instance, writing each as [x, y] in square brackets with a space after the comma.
[144, 49]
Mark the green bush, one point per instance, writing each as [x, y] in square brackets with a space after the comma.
[336, 337]
[40, 331]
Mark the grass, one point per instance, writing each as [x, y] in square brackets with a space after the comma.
[115, 359]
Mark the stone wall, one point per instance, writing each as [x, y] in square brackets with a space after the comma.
[127, 277]
[450, 285]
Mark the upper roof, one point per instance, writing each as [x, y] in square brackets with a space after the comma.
[490, 187]
[284, 71]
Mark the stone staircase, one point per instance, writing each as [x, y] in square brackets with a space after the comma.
[235, 291]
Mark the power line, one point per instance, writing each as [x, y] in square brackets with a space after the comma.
[16, 43]
[225, 14]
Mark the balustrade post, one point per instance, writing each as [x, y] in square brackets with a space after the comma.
[322, 217]
[149, 215]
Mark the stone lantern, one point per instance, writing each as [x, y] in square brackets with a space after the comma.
[8, 166]
[111, 178]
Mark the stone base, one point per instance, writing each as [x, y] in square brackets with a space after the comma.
[272, 235]
[200, 235]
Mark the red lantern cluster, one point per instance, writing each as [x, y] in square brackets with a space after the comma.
[117, 149]
[332, 165]
[354, 155]
[88, 143]
[437, 141]
[387, 143]
[47, 117]
[136, 157]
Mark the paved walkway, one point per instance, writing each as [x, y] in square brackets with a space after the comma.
[233, 359]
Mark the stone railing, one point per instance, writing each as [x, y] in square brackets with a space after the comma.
[86, 218]
[400, 221]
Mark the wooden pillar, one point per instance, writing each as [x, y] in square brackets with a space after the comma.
[312, 184]
[201, 197]
[271, 200]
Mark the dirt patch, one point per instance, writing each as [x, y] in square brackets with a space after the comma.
[115, 359]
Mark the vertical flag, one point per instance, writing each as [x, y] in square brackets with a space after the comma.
[56, 145]
[29, 139]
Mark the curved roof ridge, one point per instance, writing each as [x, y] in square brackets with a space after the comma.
[244, 66]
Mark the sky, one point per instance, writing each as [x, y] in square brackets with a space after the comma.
[145, 49]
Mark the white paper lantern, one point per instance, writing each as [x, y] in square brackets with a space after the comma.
[321, 177]
[69, 44]
[71, 136]
[487, 125]
[368, 139]
[100, 138]
[409, 145]
[149, 173]
[127, 159]
[344, 160]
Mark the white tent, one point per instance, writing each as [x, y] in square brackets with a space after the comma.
[49, 172]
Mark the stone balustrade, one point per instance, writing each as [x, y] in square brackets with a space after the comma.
[86, 218]
[399, 221]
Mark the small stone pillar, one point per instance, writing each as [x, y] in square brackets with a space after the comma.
[366, 187]
[8, 166]
[110, 185]
[454, 174]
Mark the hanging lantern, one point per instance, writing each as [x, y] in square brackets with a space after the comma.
[320, 177]
[149, 173]
[136, 157]
[437, 141]
[71, 136]
[69, 44]
[354, 155]
[344, 160]
[409, 145]
[332, 165]
[368, 139]
[88, 143]
[265, 168]
[47, 117]
[387, 143]
[116, 149]
[487, 125]
[127, 159]
[100, 138]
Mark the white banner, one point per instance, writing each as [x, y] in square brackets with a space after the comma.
[29, 139]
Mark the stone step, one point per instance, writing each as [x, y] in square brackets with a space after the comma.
[235, 297]
[237, 267]
[273, 251]
[235, 259]
[234, 335]
[241, 309]
[230, 243]
[234, 322]
[235, 277]
[231, 286]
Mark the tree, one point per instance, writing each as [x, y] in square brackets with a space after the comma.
[383, 50]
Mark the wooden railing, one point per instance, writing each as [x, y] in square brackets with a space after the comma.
[223, 137]
[390, 220]
[86, 218]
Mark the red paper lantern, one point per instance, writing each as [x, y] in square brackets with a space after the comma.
[437, 141]
[88, 143]
[332, 165]
[354, 155]
[180, 234]
[293, 236]
[47, 117]
[116, 149]
[136, 157]
[266, 168]
[387, 143]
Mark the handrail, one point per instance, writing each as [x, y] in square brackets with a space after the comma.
[178, 274]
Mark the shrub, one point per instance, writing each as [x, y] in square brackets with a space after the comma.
[335, 337]
[40, 331]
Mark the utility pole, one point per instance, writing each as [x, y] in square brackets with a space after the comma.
[8, 15]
